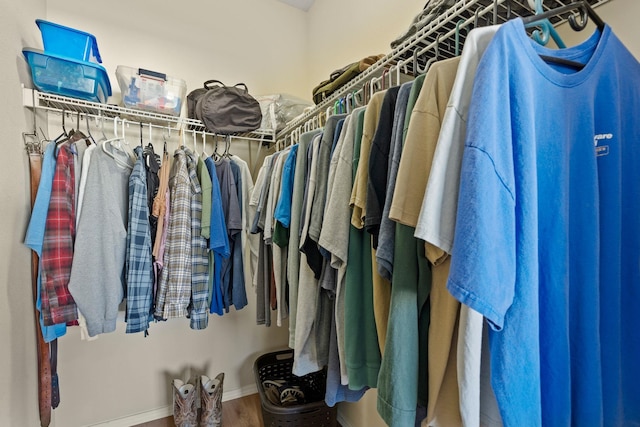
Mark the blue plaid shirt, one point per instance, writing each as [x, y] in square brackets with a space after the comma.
[199, 309]
[139, 265]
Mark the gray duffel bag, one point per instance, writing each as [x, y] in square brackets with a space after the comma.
[224, 109]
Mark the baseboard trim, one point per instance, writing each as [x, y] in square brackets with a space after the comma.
[167, 411]
[342, 420]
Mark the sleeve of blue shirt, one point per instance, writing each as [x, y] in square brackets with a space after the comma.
[218, 239]
[283, 208]
[483, 263]
[35, 231]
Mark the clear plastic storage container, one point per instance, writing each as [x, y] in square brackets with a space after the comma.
[68, 77]
[68, 42]
[151, 91]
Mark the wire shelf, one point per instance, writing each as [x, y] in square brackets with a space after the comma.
[411, 56]
[61, 104]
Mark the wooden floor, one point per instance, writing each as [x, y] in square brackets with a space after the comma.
[242, 412]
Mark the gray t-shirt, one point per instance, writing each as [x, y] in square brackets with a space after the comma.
[324, 157]
[293, 256]
[233, 217]
[386, 237]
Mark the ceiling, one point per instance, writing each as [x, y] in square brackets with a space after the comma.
[300, 4]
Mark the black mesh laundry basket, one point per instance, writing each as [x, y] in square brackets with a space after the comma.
[313, 413]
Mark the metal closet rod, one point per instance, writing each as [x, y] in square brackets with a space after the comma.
[56, 103]
[168, 131]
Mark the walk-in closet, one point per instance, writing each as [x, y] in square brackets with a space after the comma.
[433, 224]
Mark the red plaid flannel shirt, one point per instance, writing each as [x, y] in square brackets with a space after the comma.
[58, 305]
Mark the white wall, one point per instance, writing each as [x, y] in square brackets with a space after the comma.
[342, 32]
[258, 42]
[620, 15]
[18, 392]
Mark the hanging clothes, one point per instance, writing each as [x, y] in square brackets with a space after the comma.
[174, 286]
[218, 242]
[415, 164]
[58, 305]
[160, 215]
[334, 236]
[376, 178]
[541, 256]
[336, 217]
[34, 238]
[263, 275]
[152, 170]
[199, 307]
[436, 224]
[138, 260]
[249, 241]
[86, 161]
[293, 253]
[362, 346]
[233, 219]
[237, 279]
[307, 353]
[279, 252]
[386, 237]
[98, 276]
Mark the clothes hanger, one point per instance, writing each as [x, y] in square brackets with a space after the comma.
[582, 6]
[149, 151]
[585, 11]
[141, 143]
[127, 148]
[508, 17]
[64, 136]
[383, 81]
[118, 147]
[104, 136]
[436, 57]
[476, 16]
[164, 138]
[215, 154]
[457, 36]
[546, 30]
[91, 138]
[195, 148]
[182, 139]
[78, 135]
[401, 63]
[227, 146]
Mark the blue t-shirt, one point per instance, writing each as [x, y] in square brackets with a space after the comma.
[35, 233]
[547, 237]
[218, 240]
[283, 208]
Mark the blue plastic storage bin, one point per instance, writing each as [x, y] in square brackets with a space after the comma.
[68, 42]
[68, 77]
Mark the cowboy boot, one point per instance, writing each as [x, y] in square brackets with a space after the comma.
[185, 413]
[211, 401]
